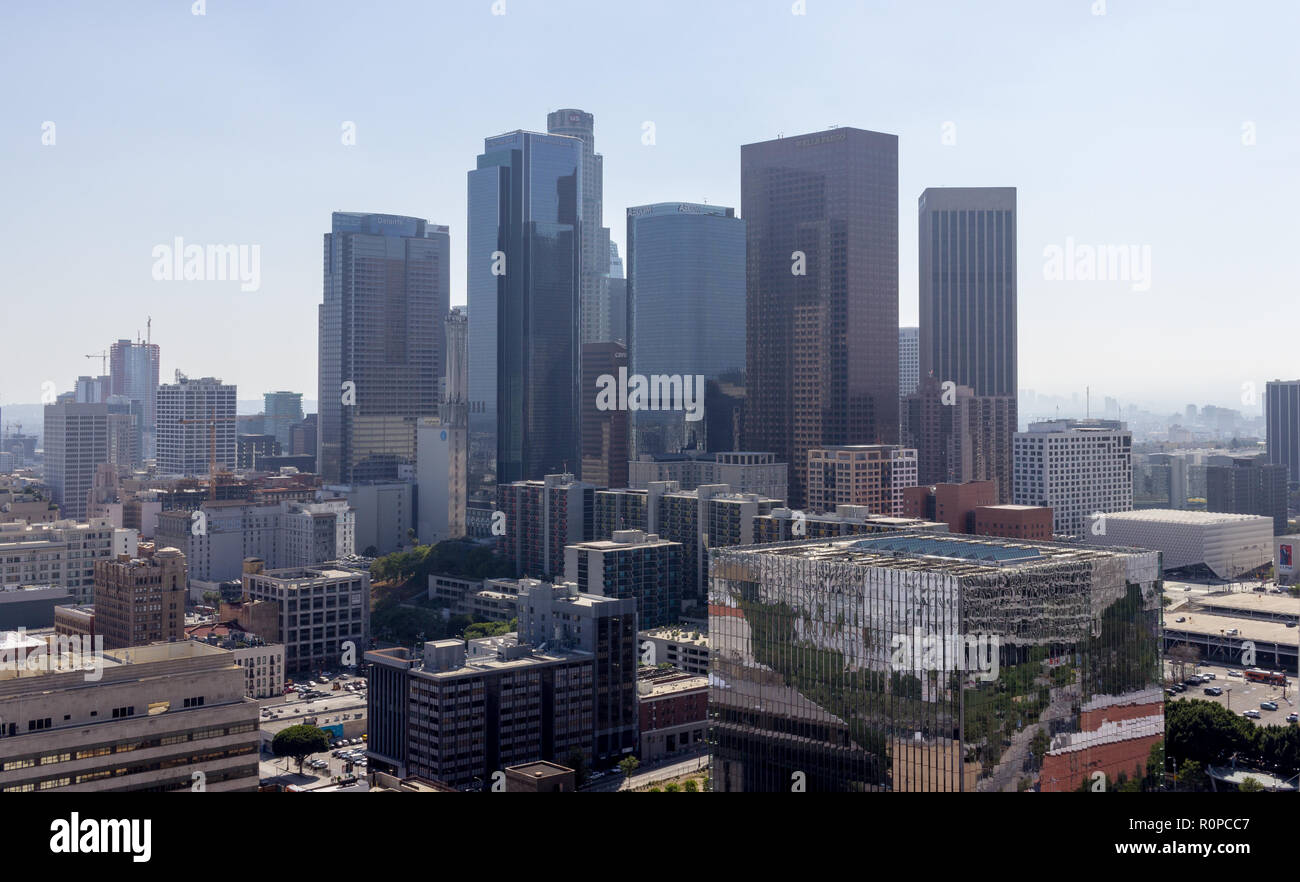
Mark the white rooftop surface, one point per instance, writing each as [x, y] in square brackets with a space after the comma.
[1177, 516]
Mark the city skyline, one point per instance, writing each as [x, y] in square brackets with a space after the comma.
[1079, 188]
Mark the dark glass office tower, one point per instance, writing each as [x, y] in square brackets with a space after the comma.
[911, 661]
[524, 267]
[596, 321]
[822, 294]
[387, 291]
[686, 295]
[1282, 419]
[967, 248]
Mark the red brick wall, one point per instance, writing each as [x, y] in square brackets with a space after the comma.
[1064, 772]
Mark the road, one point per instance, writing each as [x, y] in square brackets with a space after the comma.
[645, 776]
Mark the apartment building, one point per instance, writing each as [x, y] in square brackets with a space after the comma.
[872, 475]
[1076, 468]
[632, 564]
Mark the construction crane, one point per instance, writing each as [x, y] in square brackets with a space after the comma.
[212, 421]
[103, 364]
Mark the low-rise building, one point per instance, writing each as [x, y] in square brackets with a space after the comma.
[164, 717]
[954, 504]
[673, 709]
[263, 662]
[1223, 545]
[1014, 521]
[30, 606]
[685, 649]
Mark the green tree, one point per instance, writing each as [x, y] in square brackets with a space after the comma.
[1191, 776]
[629, 765]
[1251, 785]
[691, 786]
[300, 742]
[672, 787]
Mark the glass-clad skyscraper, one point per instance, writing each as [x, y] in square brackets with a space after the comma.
[133, 372]
[387, 291]
[686, 314]
[596, 323]
[929, 662]
[821, 215]
[524, 263]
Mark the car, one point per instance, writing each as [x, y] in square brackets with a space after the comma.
[1181, 619]
[1213, 690]
[1253, 714]
[1293, 718]
[1234, 674]
[1205, 677]
[1179, 687]
[1170, 692]
[1194, 680]
[1268, 705]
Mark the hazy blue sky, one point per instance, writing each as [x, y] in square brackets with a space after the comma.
[1124, 129]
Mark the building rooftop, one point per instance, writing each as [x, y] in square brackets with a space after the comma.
[954, 553]
[1178, 516]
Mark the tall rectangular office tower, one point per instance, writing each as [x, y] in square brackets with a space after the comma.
[133, 373]
[967, 248]
[686, 291]
[967, 273]
[523, 280]
[822, 293]
[596, 319]
[1282, 426]
[387, 291]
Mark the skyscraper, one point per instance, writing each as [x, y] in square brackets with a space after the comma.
[967, 248]
[1282, 419]
[909, 360]
[821, 316]
[686, 290]
[615, 294]
[76, 442]
[442, 446]
[281, 410]
[133, 373]
[604, 432]
[524, 263]
[967, 273]
[387, 288]
[597, 322]
[193, 415]
[961, 436]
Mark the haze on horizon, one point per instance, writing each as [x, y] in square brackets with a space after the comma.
[1166, 126]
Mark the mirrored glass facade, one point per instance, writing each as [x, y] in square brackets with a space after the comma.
[923, 662]
[523, 280]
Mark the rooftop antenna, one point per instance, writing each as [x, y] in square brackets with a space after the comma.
[149, 326]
